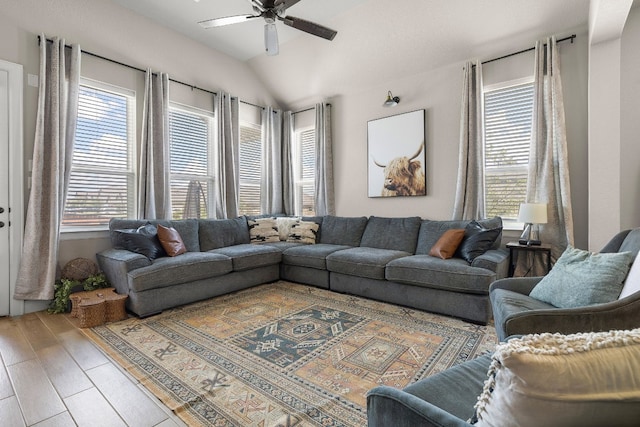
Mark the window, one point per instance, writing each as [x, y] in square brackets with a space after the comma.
[250, 169]
[102, 180]
[508, 112]
[192, 160]
[304, 172]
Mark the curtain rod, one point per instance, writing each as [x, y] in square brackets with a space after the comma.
[571, 37]
[308, 109]
[113, 61]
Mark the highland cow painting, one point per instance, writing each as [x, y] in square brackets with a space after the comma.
[397, 155]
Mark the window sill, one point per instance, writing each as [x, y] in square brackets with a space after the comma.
[84, 234]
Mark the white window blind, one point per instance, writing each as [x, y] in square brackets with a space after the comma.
[508, 113]
[102, 180]
[250, 168]
[305, 172]
[191, 156]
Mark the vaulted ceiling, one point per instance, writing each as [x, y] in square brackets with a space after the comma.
[377, 40]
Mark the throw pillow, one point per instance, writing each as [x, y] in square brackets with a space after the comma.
[284, 224]
[263, 230]
[303, 232]
[143, 240]
[580, 278]
[585, 379]
[171, 241]
[477, 240]
[447, 244]
[632, 282]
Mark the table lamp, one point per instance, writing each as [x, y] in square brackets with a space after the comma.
[531, 214]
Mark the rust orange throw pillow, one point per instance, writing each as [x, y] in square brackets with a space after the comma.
[446, 245]
[171, 241]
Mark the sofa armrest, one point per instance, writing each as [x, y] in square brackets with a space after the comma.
[388, 406]
[618, 314]
[496, 260]
[116, 263]
[521, 285]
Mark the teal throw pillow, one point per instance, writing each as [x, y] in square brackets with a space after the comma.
[580, 278]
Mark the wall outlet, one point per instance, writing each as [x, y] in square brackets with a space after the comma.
[33, 80]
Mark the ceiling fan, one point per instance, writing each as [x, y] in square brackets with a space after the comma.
[272, 10]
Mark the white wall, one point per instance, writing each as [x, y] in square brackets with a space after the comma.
[630, 122]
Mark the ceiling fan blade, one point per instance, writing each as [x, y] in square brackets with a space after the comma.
[227, 20]
[309, 27]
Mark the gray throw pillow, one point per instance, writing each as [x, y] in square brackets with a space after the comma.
[143, 240]
[580, 278]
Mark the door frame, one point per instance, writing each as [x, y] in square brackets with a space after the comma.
[16, 178]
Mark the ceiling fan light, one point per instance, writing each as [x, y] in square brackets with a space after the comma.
[271, 39]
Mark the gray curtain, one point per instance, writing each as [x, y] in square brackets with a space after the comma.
[52, 156]
[548, 180]
[271, 171]
[227, 114]
[324, 191]
[288, 190]
[154, 200]
[469, 199]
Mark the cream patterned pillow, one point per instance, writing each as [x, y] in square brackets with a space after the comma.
[585, 379]
[284, 224]
[303, 232]
[263, 230]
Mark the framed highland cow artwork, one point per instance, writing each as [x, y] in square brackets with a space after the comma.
[397, 155]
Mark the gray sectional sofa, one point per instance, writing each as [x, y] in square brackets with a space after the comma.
[380, 258]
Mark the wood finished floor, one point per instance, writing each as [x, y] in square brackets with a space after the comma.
[51, 374]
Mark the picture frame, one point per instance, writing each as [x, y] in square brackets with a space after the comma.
[396, 151]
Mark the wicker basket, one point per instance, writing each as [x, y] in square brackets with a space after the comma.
[91, 312]
[112, 303]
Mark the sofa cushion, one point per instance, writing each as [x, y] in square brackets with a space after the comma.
[430, 231]
[452, 274]
[363, 261]
[338, 230]
[313, 256]
[263, 230]
[506, 303]
[171, 241]
[580, 278]
[188, 229]
[447, 244]
[248, 256]
[284, 224]
[219, 233]
[142, 240]
[585, 379]
[170, 271]
[398, 234]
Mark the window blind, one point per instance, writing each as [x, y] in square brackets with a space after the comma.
[250, 169]
[306, 183]
[508, 114]
[191, 163]
[102, 179]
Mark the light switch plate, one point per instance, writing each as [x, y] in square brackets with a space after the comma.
[33, 80]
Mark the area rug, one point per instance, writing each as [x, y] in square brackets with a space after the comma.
[284, 354]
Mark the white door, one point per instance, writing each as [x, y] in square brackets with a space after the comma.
[11, 185]
[5, 287]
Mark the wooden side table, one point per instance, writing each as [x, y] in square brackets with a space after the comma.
[515, 246]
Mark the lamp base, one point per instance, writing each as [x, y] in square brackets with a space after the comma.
[530, 242]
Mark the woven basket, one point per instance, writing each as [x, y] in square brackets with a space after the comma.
[113, 304]
[115, 307]
[91, 312]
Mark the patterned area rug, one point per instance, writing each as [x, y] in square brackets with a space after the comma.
[285, 354]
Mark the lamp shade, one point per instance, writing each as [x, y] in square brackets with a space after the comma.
[533, 213]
